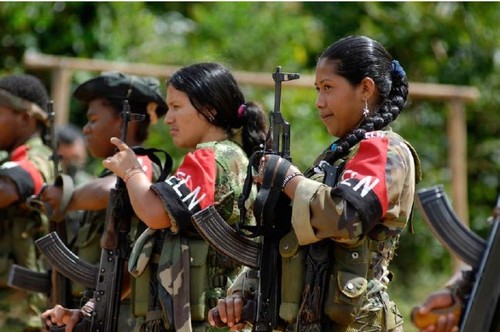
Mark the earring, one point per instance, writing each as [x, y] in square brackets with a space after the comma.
[366, 111]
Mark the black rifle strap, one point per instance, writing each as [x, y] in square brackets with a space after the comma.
[269, 194]
[247, 189]
[151, 154]
[318, 265]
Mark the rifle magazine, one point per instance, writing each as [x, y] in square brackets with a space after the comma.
[225, 239]
[66, 262]
[23, 278]
[444, 223]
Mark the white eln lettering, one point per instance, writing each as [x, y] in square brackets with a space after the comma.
[193, 197]
[175, 186]
[366, 185]
[375, 134]
[10, 164]
[347, 175]
[195, 200]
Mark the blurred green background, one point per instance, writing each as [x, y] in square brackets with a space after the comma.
[454, 43]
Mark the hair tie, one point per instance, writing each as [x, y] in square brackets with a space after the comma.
[397, 69]
[241, 110]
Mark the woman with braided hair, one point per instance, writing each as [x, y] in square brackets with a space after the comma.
[349, 208]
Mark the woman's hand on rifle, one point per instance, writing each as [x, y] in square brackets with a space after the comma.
[292, 178]
[228, 312]
[436, 314]
[59, 316]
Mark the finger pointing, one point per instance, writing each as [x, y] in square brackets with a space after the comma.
[119, 143]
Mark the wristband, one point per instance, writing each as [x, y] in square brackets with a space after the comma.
[131, 172]
[88, 308]
[288, 178]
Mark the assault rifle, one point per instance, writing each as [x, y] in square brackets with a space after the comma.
[271, 227]
[482, 255]
[52, 283]
[115, 245]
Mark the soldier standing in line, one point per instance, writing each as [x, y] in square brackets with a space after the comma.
[73, 156]
[349, 208]
[207, 114]
[73, 153]
[23, 125]
[104, 96]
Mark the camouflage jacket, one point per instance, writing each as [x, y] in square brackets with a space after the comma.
[377, 182]
[29, 167]
[194, 275]
[358, 221]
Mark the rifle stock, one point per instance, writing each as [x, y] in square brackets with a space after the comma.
[481, 255]
[66, 262]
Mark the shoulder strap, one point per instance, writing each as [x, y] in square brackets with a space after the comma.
[151, 154]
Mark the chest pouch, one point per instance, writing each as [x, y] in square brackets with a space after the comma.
[292, 277]
[347, 282]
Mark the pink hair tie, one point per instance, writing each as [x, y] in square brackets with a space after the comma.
[241, 110]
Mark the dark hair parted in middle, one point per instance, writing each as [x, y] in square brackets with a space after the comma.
[357, 57]
[214, 92]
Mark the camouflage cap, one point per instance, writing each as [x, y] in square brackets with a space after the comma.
[115, 85]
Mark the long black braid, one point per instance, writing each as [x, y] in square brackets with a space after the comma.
[358, 57]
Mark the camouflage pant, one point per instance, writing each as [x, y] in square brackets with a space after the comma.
[18, 312]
